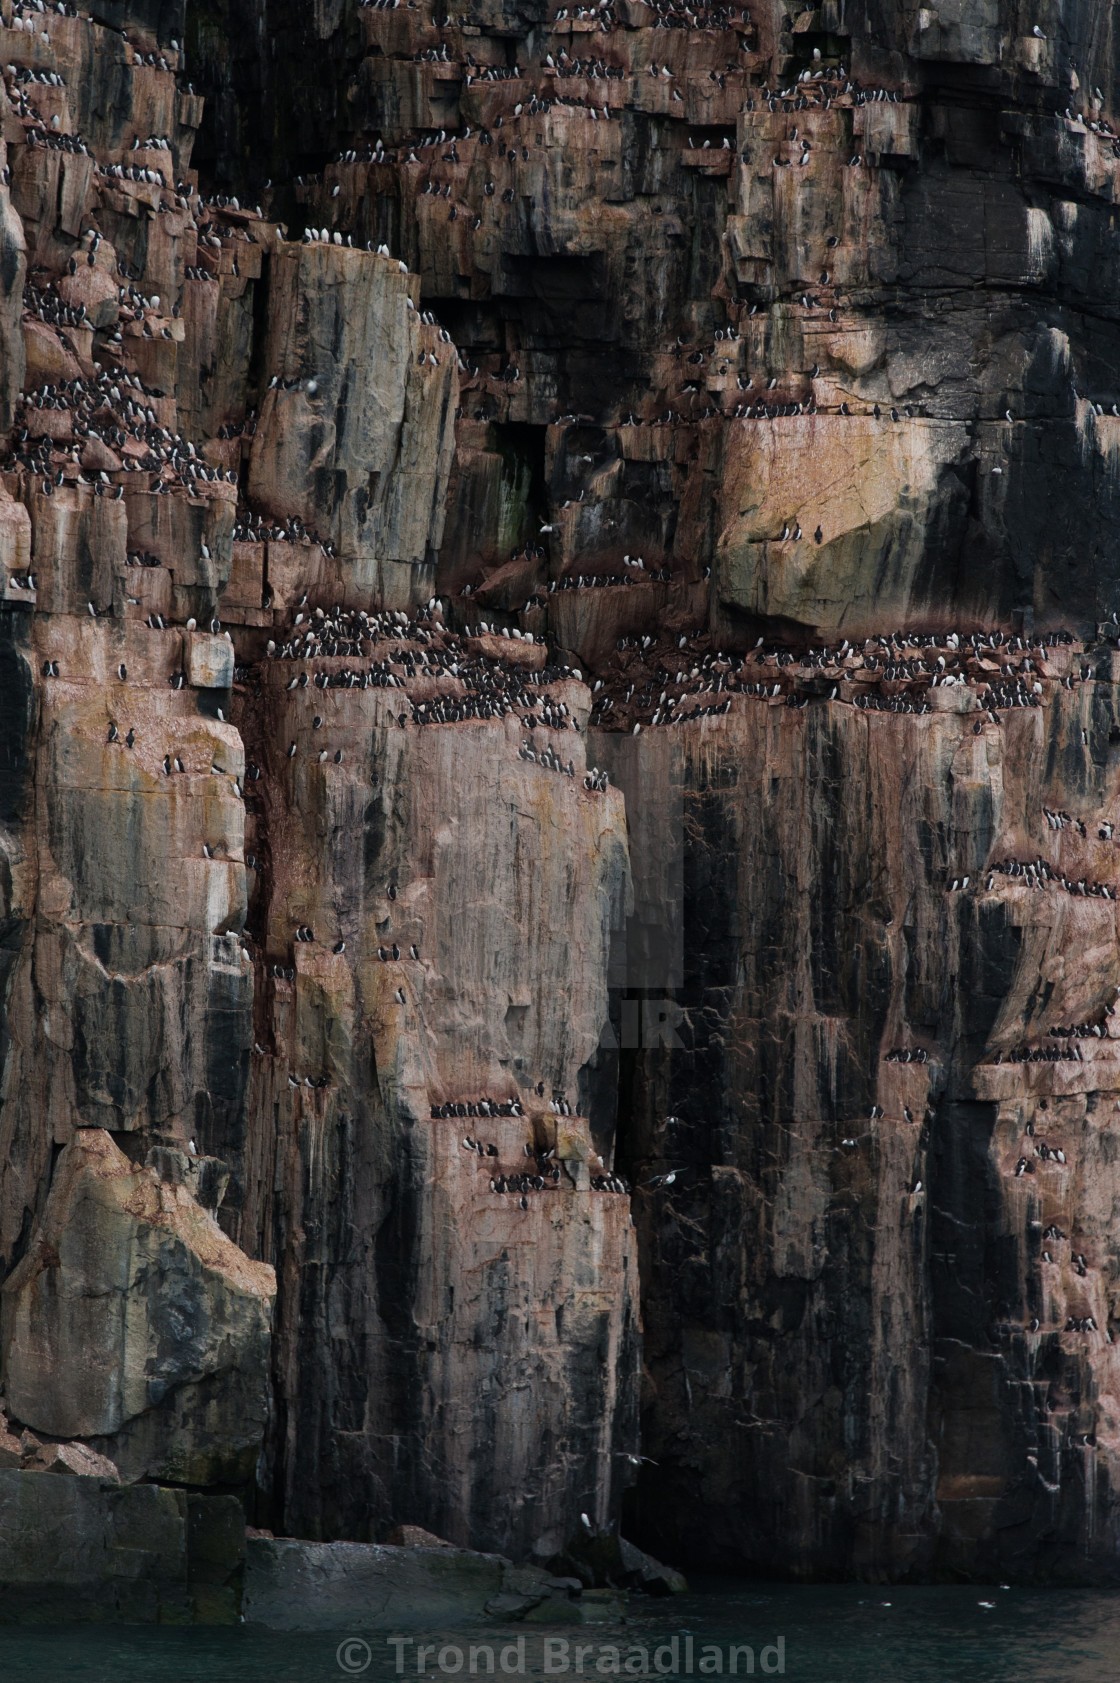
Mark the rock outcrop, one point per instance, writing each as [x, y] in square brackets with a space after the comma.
[332, 1586]
[355, 435]
[272, 953]
[135, 1323]
[559, 635]
[82, 1549]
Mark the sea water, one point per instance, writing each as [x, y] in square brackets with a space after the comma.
[820, 1634]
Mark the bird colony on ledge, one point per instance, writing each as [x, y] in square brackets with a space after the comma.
[561, 745]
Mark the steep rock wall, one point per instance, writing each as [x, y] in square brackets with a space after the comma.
[307, 974]
[131, 1294]
[690, 330]
[856, 1291]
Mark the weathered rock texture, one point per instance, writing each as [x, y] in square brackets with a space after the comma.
[348, 439]
[331, 1586]
[81, 1549]
[268, 947]
[402, 423]
[135, 1322]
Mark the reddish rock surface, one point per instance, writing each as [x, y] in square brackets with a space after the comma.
[758, 370]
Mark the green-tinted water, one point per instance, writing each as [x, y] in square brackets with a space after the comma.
[828, 1635]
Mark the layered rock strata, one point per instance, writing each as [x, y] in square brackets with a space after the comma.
[599, 581]
[272, 955]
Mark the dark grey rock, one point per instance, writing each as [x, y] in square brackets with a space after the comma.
[295, 1585]
[84, 1549]
[645, 1573]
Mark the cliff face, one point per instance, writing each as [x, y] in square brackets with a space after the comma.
[871, 1343]
[274, 951]
[408, 413]
[130, 1293]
